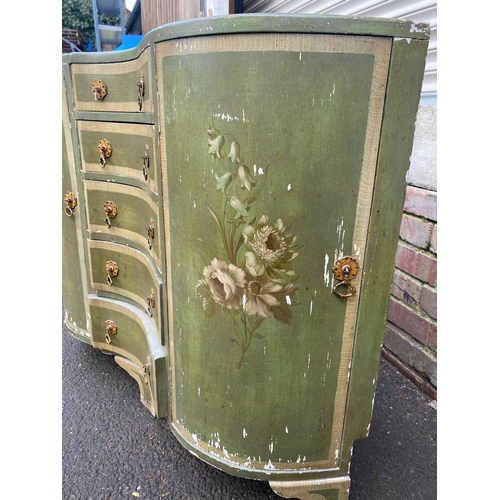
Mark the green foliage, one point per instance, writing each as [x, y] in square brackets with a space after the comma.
[78, 14]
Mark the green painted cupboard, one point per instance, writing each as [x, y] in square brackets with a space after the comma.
[231, 201]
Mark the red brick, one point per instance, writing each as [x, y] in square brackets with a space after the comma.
[428, 302]
[415, 231]
[421, 202]
[406, 289]
[432, 342]
[434, 240]
[417, 264]
[409, 321]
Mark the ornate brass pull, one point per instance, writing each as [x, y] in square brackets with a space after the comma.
[345, 270]
[110, 329]
[71, 202]
[105, 150]
[151, 233]
[140, 91]
[110, 210]
[111, 270]
[151, 302]
[145, 162]
[99, 90]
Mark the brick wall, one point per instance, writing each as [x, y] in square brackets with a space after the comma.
[410, 341]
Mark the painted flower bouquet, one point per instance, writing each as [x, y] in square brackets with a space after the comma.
[248, 272]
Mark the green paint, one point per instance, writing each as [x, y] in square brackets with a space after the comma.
[301, 118]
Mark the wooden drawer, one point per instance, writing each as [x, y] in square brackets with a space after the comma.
[129, 143]
[136, 215]
[131, 337]
[136, 279]
[120, 80]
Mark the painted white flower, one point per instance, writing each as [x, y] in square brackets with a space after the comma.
[271, 248]
[225, 283]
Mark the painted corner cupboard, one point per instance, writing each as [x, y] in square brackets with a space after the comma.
[231, 201]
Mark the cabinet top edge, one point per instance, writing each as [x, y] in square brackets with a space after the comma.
[263, 23]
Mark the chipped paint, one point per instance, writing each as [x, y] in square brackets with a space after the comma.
[269, 466]
[415, 29]
[286, 429]
[327, 271]
[245, 434]
[408, 40]
[289, 187]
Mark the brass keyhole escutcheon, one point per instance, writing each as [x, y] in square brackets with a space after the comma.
[110, 329]
[99, 90]
[105, 150]
[345, 270]
[71, 202]
[151, 233]
[111, 271]
[151, 302]
[145, 162]
[110, 210]
[140, 91]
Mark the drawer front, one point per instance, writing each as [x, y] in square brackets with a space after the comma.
[134, 278]
[136, 215]
[120, 82]
[125, 331]
[129, 151]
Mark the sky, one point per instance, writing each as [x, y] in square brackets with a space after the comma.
[129, 4]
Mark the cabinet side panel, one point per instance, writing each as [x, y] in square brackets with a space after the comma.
[403, 92]
[73, 276]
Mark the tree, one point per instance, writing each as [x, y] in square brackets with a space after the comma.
[78, 15]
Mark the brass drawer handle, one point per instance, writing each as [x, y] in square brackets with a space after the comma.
[151, 302]
[140, 91]
[71, 202]
[110, 211]
[111, 270]
[110, 329]
[145, 162]
[151, 233]
[99, 90]
[105, 150]
[345, 270]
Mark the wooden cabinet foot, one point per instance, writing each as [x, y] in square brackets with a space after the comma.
[315, 489]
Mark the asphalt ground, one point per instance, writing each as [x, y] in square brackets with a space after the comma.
[113, 448]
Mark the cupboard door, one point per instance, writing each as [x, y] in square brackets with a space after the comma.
[271, 145]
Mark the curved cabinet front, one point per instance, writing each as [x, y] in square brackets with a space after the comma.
[280, 188]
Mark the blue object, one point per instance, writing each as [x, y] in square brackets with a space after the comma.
[129, 41]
